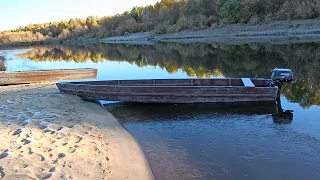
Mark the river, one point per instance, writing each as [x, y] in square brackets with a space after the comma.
[204, 141]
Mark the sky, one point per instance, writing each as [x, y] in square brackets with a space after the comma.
[16, 13]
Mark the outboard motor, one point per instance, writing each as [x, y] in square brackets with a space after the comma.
[280, 76]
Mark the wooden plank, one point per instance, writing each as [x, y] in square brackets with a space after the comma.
[247, 82]
[160, 98]
[26, 77]
[175, 99]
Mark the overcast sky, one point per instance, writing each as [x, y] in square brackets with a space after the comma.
[15, 13]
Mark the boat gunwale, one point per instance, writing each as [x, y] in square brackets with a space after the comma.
[146, 86]
[47, 70]
[185, 85]
[178, 95]
[169, 79]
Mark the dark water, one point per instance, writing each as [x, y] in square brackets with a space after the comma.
[204, 141]
[222, 143]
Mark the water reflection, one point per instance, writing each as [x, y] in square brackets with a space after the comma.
[3, 66]
[206, 60]
[282, 116]
[207, 142]
[141, 112]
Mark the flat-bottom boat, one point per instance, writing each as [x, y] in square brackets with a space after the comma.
[38, 76]
[224, 90]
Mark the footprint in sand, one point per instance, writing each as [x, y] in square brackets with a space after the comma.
[71, 150]
[79, 139]
[44, 175]
[36, 157]
[42, 126]
[55, 161]
[52, 169]
[54, 127]
[70, 126]
[17, 132]
[25, 141]
[61, 155]
[15, 146]
[25, 122]
[4, 154]
[2, 174]
[47, 131]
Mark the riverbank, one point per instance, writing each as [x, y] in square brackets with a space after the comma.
[295, 31]
[277, 32]
[45, 134]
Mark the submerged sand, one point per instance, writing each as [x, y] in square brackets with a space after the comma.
[48, 135]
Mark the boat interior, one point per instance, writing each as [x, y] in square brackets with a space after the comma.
[225, 82]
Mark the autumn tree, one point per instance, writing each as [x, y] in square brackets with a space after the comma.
[92, 22]
[137, 13]
[166, 16]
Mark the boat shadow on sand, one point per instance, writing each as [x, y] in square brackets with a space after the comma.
[144, 112]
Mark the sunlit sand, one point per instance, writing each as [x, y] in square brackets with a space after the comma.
[46, 135]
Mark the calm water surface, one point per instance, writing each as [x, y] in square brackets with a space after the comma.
[204, 141]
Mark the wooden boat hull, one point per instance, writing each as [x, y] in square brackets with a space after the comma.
[172, 91]
[26, 77]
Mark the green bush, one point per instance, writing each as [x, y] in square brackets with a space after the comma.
[161, 28]
[230, 11]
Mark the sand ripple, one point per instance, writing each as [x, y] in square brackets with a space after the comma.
[43, 137]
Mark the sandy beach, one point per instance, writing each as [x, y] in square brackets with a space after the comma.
[48, 135]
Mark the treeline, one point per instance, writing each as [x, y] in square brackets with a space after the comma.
[167, 16]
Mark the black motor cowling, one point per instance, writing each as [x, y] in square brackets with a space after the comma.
[280, 75]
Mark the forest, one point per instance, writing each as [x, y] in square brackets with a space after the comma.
[166, 16]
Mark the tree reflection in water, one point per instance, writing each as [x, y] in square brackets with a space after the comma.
[282, 116]
[206, 60]
[3, 66]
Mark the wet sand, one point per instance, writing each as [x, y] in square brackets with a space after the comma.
[48, 135]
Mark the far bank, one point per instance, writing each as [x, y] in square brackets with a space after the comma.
[279, 32]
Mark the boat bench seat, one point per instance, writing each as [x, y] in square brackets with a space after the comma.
[187, 84]
[247, 82]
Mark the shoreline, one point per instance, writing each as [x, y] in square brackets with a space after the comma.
[277, 32]
[51, 135]
[295, 31]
